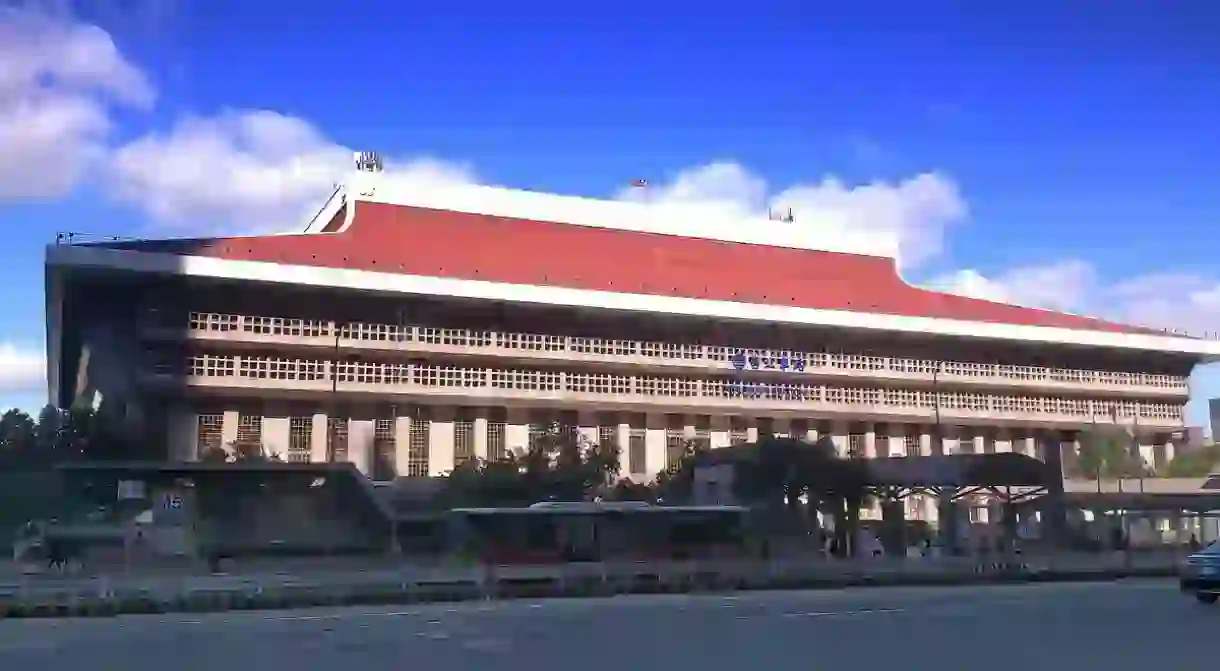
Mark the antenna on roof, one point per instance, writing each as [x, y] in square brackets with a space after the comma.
[785, 217]
[369, 161]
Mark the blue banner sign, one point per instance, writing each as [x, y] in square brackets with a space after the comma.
[741, 362]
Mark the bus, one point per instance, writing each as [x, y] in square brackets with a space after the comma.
[557, 532]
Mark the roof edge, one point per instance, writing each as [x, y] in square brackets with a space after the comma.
[391, 283]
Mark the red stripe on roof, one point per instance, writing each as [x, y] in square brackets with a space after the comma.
[437, 243]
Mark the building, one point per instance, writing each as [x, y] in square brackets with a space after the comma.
[409, 329]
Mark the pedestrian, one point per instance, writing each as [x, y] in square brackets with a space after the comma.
[55, 554]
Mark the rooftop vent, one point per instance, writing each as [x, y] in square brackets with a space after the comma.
[369, 161]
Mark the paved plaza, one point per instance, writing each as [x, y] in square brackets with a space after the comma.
[1116, 626]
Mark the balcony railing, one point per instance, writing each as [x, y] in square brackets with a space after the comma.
[609, 389]
[467, 342]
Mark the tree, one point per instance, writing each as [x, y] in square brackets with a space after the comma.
[214, 455]
[1108, 454]
[17, 431]
[677, 484]
[558, 465]
[778, 472]
[1198, 463]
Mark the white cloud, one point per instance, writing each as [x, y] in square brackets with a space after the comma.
[59, 82]
[22, 369]
[244, 172]
[907, 219]
[1181, 301]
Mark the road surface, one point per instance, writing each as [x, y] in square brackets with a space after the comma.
[1114, 626]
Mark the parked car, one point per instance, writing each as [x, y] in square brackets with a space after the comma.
[1200, 575]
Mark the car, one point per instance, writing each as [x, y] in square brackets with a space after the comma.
[1200, 575]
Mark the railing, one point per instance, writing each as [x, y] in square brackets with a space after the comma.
[51, 596]
[609, 389]
[657, 353]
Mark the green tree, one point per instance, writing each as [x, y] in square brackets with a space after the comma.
[778, 472]
[50, 422]
[674, 485]
[559, 465]
[17, 433]
[1108, 453]
[1195, 463]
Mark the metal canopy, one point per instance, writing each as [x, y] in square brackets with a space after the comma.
[1145, 501]
[1005, 469]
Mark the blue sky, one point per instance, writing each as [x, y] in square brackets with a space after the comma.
[1070, 151]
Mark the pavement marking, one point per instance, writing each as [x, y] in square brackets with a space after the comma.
[834, 613]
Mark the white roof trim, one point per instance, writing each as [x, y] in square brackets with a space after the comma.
[691, 220]
[363, 280]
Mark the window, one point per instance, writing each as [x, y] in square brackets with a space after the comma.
[538, 434]
[739, 434]
[336, 438]
[702, 440]
[463, 442]
[249, 435]
[637, 453]
[418, 452]
[965, 443]
[300, 439]
[675, 449]
[211, 432]
[855, 446]
[497, 450]
[607, 437]
[385, 444]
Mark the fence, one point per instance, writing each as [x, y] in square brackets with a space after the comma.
[59, 595]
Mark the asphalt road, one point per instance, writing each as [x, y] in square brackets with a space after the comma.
[1115, 626]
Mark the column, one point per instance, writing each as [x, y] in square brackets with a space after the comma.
[624, 440]
[480, 435]
[719, 434]
[838, 436]
[980, 443]
[402, 444]
[870, 442]
[893, 527]
[228, 431]
[752, 430]
[360, 444]
[440, 442]
[516, 430]
[275, 436]
[926, 449]
[182, 439]
[1004, 440]
[1147, 452]
[317, 439]
[654, 444]
[1026, 445]
[949, 516]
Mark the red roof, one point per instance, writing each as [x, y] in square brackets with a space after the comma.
[439, 243]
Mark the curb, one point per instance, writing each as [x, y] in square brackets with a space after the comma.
[401, 594]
